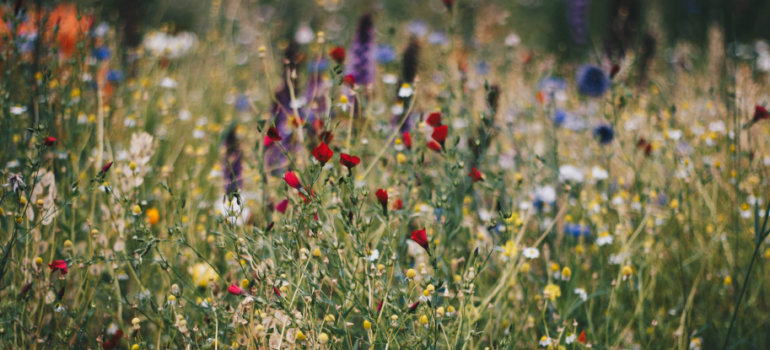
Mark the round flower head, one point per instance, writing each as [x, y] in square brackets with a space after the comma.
[592, 81]
[604, 134]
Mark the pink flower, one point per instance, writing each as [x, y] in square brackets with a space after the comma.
[235, 290]
[282, 205]
[292, 180]
[59, 265]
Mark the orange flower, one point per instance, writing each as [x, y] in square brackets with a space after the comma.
[153, 215]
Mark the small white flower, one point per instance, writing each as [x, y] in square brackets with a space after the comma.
[373, 255]
[389, 79]
[397, 108]
[130, 121]
[168, 83]
[405, 91]
[304, 34]
[571, 337]
[598, 173]
[604, 238]
[675, 134]
[512, 40]
[16, 181]
[581, 293]
[298, 103]
[717, 126]
[745, 214]
[570, 173]
[545, 341]
[17, 110]
[198, 133]
[531, 253]
[185, 115]
[547, 194]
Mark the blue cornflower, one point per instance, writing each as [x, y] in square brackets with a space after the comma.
[592, 81]
[437, 38]
[604, 133]
[482, 67]
[385, 54]
[559, 117]
[114, 75]
[242, 103]
[577, 230]
[101, 53]
[319, 66]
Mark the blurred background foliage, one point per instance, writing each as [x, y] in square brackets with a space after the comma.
[610, 25]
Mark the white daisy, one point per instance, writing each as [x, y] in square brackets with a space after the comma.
[598, 173]
[571, 337]
[531, 253]
[373, 255]
[581, 293]
[604, 238]
[389, 79]
[405, 91]
[545, 341]
[17, 110]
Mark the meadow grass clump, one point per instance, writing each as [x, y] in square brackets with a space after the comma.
[376, 182]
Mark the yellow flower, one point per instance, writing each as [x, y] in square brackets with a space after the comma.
[552, 291]
[153, 215]
[317, 253]
[323, 338]
[411, 273]
[203, 274]
[301, 336]
[728, 280]
[39, 261]
[566, 272]
[401, 158]
[344, 99]
[367, 325]
[525, 268]
[136, 210]
[423, 319]
[329, 318]
[510, 250]
[244, 283]
[627, 270]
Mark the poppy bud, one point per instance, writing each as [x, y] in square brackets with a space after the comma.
[382, 197]
[50, 141]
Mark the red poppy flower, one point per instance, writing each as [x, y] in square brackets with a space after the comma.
[338, 54]
[475, 174]
[433, 145]
[50, 141]
[408, 140]
[414, 307]
[379, 306]
[282, 205]
[398, 204]
[349, 79]
[582, 338]
[421, 238]
[323, 153]
[434, 119]
[113, 342]
[58, 265]
[349, 161]
[268, 141]
[382, 197]
[273, 135]
[276, 291]
[292, 180]
[235, 290]
[439, 134]
[760, 113]
[106, 167]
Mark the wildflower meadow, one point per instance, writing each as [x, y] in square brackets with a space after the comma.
[385, 174]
